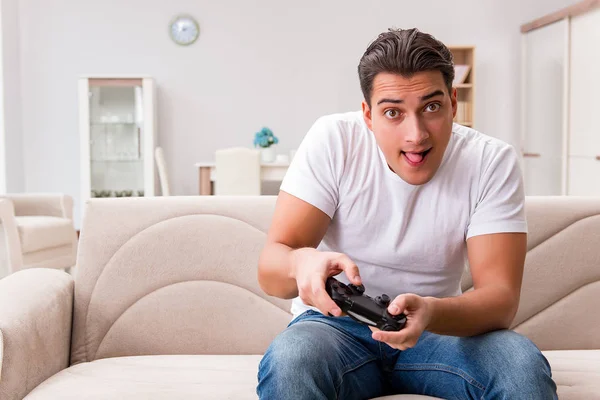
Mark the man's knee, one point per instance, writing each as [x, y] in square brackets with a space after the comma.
[301, 346]
[297, 360]
[516, 351]
[521, 370]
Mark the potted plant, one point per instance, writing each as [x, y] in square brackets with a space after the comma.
[265, 140]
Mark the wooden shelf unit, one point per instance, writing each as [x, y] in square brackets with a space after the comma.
[465, 92]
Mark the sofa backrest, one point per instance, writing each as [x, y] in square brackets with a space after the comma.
[561, 282]
[177, 275]
[173, 275]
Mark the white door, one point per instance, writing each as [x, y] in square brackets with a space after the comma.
[543, 108]
[584, 120]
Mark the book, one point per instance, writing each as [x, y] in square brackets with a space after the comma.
[463, 112]
[460, 73]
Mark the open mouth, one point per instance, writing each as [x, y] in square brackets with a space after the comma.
[416, 159]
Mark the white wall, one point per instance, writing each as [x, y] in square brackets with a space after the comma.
[2, 132]
[273, 63]
[12, 169]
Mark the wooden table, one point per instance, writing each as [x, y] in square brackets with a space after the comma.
[274, 171]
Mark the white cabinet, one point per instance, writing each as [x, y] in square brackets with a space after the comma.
[584, 121]
[118, 135]
[584, 106]
[559, 122]
[545, 62]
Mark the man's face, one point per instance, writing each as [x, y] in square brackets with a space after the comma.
[411, 119]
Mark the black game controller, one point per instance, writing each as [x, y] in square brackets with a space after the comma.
[362, 308]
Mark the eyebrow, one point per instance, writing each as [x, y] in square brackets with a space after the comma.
[423, 98]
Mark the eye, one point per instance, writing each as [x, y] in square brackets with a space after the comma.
[391, 113]
[433, 107]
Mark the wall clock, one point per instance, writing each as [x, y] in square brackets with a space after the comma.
[184, 30]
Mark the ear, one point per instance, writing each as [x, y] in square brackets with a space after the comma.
[454, 102]
[367, 115]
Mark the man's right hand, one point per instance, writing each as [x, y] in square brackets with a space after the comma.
[311, 268]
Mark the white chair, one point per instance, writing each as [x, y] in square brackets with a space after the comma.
[36, 231]
[161, 165]
[237, 172]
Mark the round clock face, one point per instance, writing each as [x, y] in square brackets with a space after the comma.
[184, 30]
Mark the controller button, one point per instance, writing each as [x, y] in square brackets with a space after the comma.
[360, 289]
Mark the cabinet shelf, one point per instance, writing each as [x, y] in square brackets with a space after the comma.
[113, 123]
[98, 160]
[465, 96]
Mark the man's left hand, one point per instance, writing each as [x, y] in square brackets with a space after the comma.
[418, 315]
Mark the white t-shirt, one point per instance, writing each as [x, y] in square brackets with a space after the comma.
[405, 238]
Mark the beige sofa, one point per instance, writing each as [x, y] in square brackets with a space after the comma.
[36, 231]
[166, 305]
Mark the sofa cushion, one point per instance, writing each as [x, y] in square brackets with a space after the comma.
[155, 377]
[43, 232]
[54, 257]
[576, 372]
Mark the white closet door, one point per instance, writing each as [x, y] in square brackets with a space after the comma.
[545, 63]
[584, 120]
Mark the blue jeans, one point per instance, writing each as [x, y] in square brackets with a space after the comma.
[321, 357]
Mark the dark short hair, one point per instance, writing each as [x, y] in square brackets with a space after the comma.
[404, 52]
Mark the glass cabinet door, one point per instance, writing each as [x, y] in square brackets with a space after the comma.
[116, 137]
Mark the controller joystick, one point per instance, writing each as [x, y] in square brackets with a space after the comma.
[383, 300]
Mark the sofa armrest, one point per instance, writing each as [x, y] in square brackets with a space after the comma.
[9, 234]
[51, 204]
[36, 307]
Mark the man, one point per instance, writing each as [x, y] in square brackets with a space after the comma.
[397, 197]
